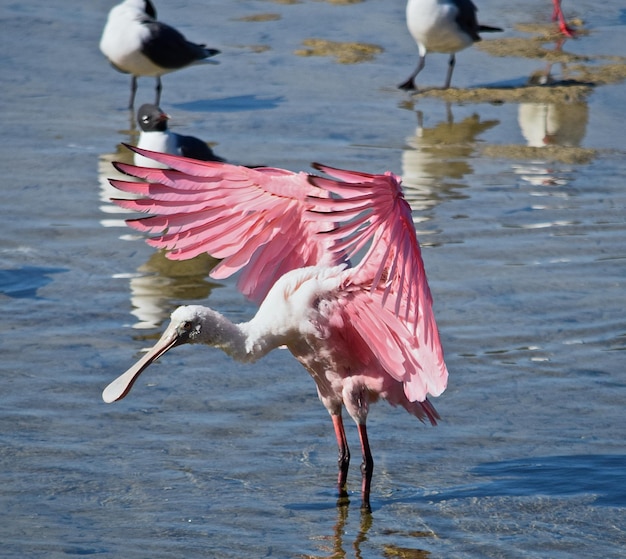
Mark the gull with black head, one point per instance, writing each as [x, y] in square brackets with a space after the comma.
[155, 136]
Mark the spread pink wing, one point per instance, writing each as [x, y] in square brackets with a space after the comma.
[265, 222]
[252, 219]
[414, 359]
[404, 335]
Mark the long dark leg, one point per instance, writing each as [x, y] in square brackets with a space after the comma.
[158, 88]
[343, 460]
[367, 468]
[409, 84]
[133, 90]
[451, 64]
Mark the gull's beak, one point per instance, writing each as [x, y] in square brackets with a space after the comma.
[122, 384]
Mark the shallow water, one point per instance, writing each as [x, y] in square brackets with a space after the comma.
[525, 254]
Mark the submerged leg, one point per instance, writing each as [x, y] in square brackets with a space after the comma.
[451, 64]
[367, 468]
[409, 84]
[343, 460]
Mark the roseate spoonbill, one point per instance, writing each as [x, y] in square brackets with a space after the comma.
[155, 136]
[445, 26]
[136, 43]
[363, 332]
[557, 15]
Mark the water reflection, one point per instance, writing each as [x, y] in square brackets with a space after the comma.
[437, 158]
[160, 283]
[343, 542]
[553, 134]
[553, 113]
[115, 215]
[560, 124]
[552, 116]
[555, 56]
[334, 544]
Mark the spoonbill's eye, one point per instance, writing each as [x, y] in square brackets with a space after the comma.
[187, 326]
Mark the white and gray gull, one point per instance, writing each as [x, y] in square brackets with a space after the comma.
[445, 26]
[136, 43]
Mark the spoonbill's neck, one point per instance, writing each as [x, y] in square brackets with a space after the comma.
[244, 342]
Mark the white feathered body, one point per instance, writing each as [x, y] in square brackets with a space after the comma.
[432, 23]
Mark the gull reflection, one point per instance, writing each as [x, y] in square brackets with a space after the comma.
[159, 284]
[437, 158]
[160, 281]
[553, 134]
[552, 110]
[114, 215]
[560, 124]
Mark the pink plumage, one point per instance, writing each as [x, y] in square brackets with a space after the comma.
[249, 218]
[334, 264]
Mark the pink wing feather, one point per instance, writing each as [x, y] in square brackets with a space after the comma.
[404, 337]
[252, 219]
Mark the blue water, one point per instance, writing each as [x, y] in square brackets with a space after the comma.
[525, 255]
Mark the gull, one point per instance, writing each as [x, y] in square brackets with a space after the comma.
[445, 26]
[155, 136]
[136, 43]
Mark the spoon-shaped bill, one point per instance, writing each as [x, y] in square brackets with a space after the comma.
[122, 384]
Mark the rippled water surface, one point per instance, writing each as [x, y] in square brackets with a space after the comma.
[524, 247]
